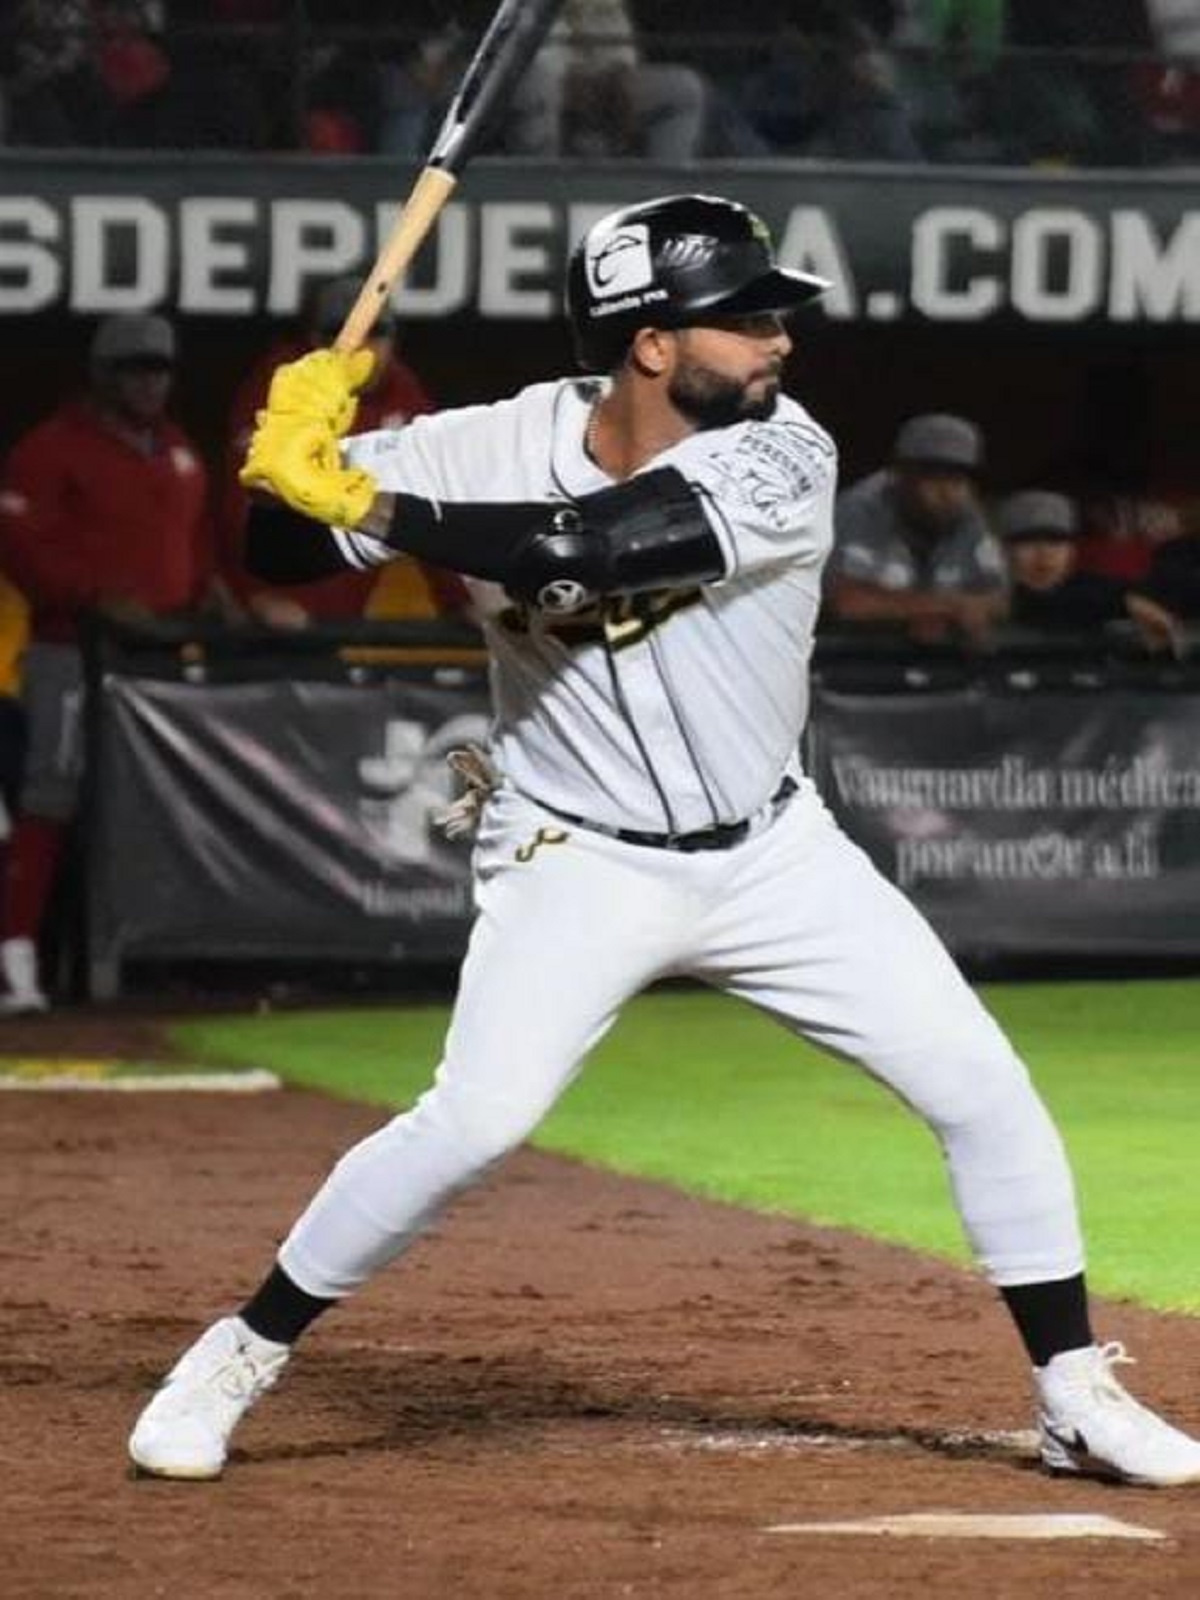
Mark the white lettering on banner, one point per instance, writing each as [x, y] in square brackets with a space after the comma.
[811, 243]
[311, 239]
[505, 260]
[449, 252]
[30, 272]
[1152, 280]
[934, 234]
[414, 903]
[1045, 857]
[1038, 237]
[121, 253]
[231, 255]
[1012, 785]
[206, 255]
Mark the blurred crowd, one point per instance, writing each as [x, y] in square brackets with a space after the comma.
[1073, 82]
[928, 550]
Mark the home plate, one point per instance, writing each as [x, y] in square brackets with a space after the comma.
[972, 1525]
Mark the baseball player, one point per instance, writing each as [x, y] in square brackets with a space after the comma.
[649, 544]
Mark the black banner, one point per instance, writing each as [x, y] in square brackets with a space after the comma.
[1049, 822]
[278, 819]
[209, 236]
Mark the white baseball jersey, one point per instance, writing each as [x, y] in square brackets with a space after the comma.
[667, 712]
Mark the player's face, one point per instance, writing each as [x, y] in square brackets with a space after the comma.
[1041, 563]
[728, 371]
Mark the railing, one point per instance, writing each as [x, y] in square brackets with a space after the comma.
[283, 79]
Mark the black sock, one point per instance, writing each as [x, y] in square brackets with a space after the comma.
[280, 1310]
[1050, 1317]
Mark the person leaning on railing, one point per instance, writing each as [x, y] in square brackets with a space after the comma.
[1050, 595]
[913, 551]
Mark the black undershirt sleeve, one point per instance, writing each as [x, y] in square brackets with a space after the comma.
[283, 546]
[646, 533]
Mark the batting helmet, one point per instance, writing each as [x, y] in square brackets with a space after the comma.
[673, 263]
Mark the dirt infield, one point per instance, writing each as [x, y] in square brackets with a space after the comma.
[577, 1386]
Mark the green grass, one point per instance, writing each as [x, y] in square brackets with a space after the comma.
[703, 1093]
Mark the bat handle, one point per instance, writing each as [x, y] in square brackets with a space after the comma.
[429, 194]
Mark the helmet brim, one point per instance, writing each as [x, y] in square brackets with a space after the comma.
[780, 290]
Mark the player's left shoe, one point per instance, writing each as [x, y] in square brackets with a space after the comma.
[1089, 1424]
[184, 1432]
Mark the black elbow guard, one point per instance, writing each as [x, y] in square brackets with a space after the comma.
[647, 533]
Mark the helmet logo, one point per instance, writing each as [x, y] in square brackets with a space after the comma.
[563, 595]
[619, 263]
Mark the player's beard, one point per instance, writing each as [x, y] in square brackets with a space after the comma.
[713, 400]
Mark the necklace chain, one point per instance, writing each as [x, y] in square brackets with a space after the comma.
[589, 433]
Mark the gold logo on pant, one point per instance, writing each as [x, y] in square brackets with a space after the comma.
[525, 852]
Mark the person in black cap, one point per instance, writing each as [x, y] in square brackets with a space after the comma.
[912, 547]
[1050, 594]
[392, 397]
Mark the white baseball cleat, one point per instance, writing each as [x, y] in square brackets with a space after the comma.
[1090, 1425]
[184, 1432]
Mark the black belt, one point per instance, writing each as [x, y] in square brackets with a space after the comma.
[721, 836]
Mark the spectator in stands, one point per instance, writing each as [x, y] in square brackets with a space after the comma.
[1168, 84]
[103, 510]
[912, 549]
[865, 118]
[1070, 96]
[133, 67]
[590, 91]
[55, 97]
[1117, 536]
[1173, 576]
[946, 51]
[230, 76]
[414, 90]
[392, 398]
[1049, 593]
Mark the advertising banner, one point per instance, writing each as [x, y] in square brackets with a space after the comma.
[279, 819]
[206, 235]
[1055, 822]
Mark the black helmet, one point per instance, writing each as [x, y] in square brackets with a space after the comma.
[670, 263]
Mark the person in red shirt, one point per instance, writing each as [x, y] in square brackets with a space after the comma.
[102, 510]
[393, 396]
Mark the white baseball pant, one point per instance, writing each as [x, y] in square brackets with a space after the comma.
[794, 919]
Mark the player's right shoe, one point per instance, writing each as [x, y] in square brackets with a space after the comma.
[1089, 1424]
[184, 1432]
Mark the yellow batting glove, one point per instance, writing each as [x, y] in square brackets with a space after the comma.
[297, 460]
[321, 386]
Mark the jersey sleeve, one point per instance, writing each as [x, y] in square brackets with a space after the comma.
[767, 489]
[463, 454]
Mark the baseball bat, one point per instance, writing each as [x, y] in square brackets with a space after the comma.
[504, 52]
